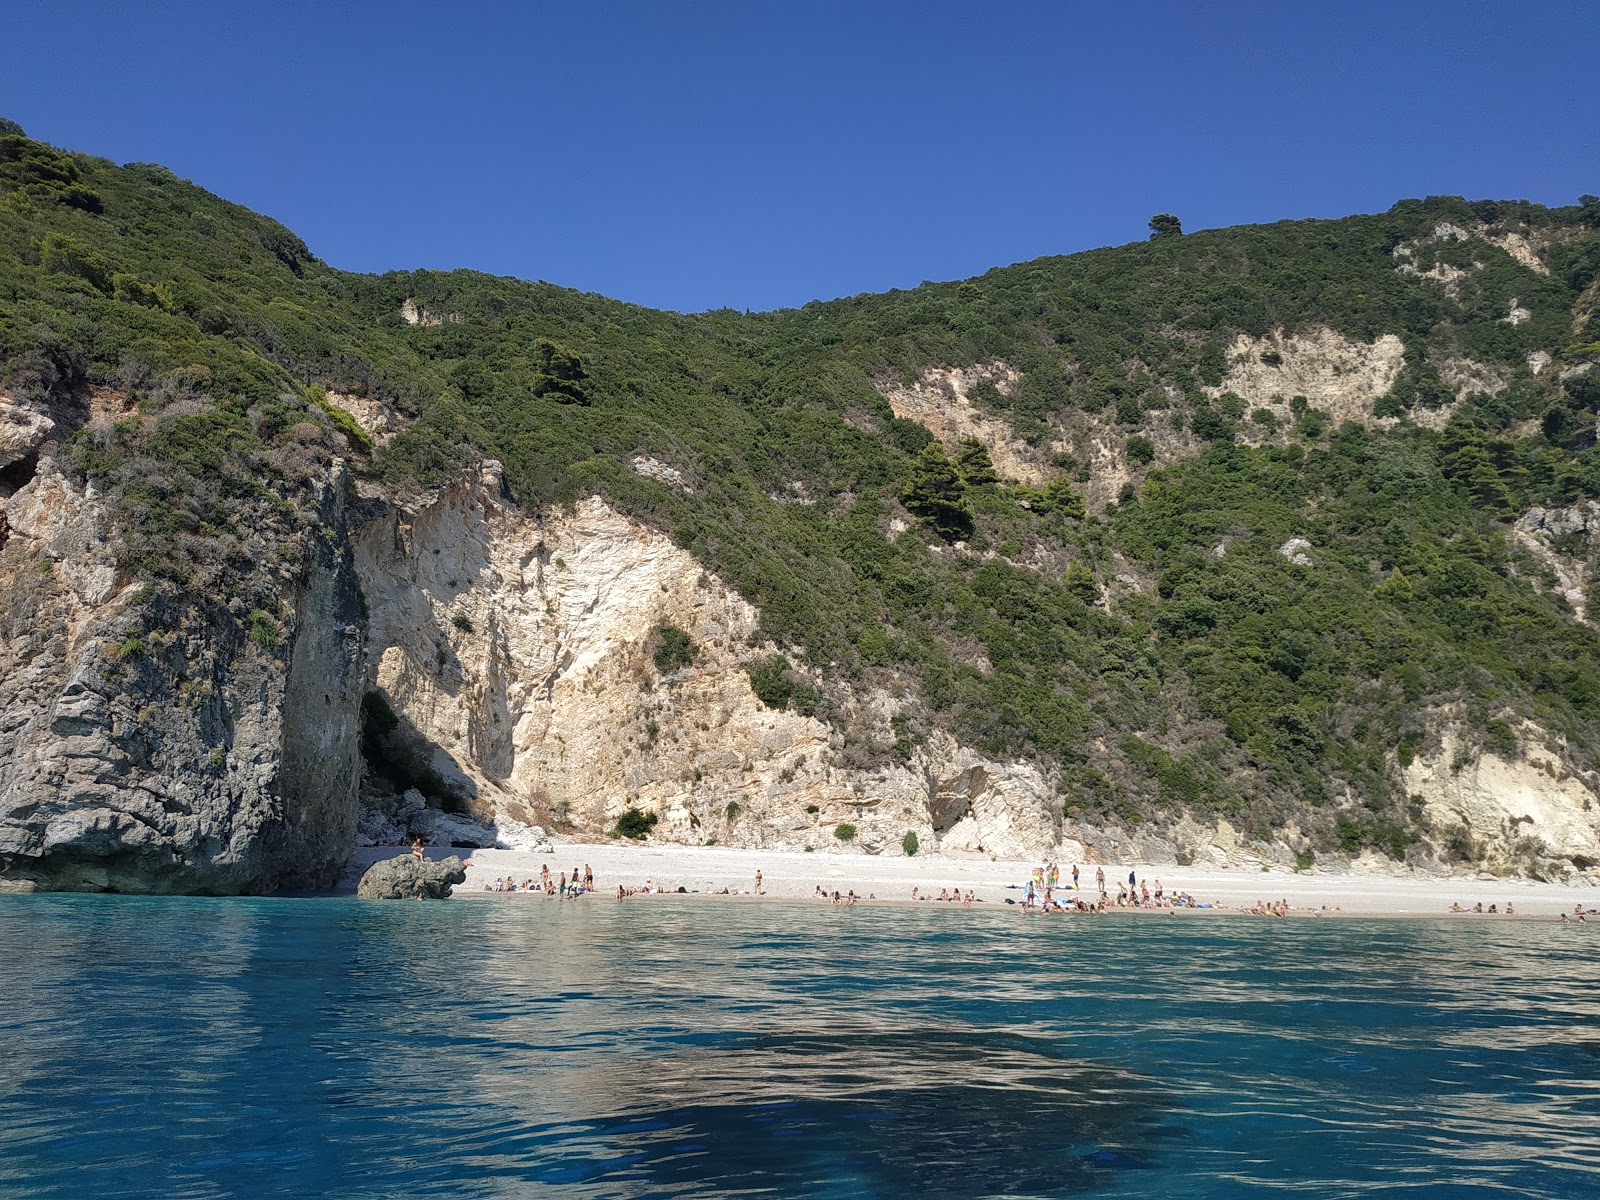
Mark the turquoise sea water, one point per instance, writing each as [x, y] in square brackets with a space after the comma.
[222, 1048]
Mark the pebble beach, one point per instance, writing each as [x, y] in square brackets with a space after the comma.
[786, 875]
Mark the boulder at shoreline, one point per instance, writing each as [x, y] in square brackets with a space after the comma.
[406, 877]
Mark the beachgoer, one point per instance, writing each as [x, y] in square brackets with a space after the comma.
[1074, 876]
[1100, 880]
[588, 878]
[416, 850]
[758, 883]
[1132, 882]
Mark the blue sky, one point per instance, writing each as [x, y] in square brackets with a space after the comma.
[758, 155]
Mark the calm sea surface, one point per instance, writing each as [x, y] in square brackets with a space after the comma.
[211, 1048]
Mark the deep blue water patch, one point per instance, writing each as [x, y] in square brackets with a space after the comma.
[318, 1047]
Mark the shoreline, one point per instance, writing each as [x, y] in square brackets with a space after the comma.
[704, 871]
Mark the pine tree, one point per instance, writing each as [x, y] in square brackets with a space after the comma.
[936, 494]
[974, 464]
[1079, 582]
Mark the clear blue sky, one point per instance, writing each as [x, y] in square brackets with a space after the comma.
[757, 154]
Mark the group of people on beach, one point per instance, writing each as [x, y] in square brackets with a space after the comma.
[950, 895]
[565, 889]
[835, 897]
[1046, 892]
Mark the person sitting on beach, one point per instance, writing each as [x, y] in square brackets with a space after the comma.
[416, 850]
[1493, 908]
[1455, 906]
[944, 893]
[913, 893]
[1478, 907]
[1564, 920]
[1510, 912]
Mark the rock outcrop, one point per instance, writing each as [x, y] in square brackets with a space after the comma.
[1342, 377]
[519, 648]
[151, 744]
[939, 400]
[1517, 812]
[407, 877]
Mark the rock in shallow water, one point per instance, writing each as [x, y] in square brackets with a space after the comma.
[406, 877]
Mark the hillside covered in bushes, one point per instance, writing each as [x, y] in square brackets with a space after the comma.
[1202, 590]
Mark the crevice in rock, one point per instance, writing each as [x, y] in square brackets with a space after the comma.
[17, 475]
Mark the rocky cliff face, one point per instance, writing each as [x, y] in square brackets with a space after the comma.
[151, 743]
[520, 651]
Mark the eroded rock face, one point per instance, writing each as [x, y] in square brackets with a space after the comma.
[1343, 378]
[408, 878]
[1528, 813]
[1565, 542]
[22, 431]
[149, 745]
[939, 401]
[520, 650]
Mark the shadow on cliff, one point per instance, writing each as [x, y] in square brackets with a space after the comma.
[401, 756]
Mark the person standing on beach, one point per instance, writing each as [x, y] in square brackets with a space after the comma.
[1100, 879]
[1074, 876]
[758, 883]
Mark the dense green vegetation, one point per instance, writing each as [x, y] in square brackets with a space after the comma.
[1233, 682]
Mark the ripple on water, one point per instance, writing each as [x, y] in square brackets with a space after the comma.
[324, 1048]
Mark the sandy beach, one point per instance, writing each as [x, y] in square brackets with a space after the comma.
[795, 876]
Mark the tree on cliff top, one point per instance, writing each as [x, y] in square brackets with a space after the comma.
[1165, 225]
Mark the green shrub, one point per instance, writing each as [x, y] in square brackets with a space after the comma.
[844, 832]
[778, 686]
[674, 649]
[909, 843]
[263, 630]
[130, 289]
[65, 255]
[635, 824]
[1139, 449]
[345, 423]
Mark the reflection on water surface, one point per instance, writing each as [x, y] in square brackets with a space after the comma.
[194, 1048]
